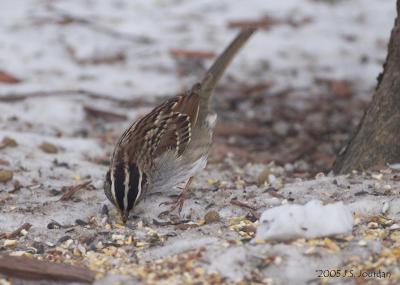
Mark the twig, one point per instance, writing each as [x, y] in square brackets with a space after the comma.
[67, 18]
[106, 115]
[264, 23]
[33, 269]
[14, 97]
[273, 193]
[17, 232]
[72, 190]
[191, 53]
[242, 205]
[267, 22]
[169, 223]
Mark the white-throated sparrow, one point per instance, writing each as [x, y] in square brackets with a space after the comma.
[170, 144]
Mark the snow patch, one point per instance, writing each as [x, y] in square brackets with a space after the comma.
[308, 221]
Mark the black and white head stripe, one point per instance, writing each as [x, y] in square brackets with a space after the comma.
[127, 183]
[137, 182]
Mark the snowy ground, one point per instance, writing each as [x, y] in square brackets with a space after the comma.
[74, 58]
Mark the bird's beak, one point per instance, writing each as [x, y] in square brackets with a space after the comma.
[124, 217]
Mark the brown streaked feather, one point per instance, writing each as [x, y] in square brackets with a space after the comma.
[189, 104]
[177, 135]
[166, 127]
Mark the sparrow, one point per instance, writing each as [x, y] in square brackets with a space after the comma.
[170, 144]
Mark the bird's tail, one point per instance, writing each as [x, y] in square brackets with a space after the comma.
[214, 74]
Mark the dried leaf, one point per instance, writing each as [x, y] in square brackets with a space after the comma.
[7, 78]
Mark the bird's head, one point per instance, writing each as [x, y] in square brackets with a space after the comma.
[124, 185]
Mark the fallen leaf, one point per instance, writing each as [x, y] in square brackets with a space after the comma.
[7, 78]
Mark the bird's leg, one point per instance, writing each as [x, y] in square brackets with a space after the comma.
[182, 197]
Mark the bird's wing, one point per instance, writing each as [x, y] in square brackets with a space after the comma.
[167, 127]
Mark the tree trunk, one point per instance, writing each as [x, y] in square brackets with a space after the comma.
[376, 141]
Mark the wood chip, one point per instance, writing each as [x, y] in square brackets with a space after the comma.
[263, 23]
[8, 142]
[72, 190]
[7, 78]
[32, 269]
[212, 217]
[6, 175]
[48, 147]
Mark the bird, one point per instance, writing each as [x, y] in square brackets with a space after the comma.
[170, 144]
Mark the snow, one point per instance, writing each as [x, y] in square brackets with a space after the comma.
[321, 48]
[344, 40]
[311, 220]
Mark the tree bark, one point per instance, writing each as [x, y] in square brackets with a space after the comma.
[26, 268]
[376, 141]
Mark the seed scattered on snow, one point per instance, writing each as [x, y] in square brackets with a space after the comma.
[278, 260]
[310, 250]
[141, 244]
[67, 243]
[331, 245]
[117, 237]
[362, 243]
[378, 177]
[20, 253]
[387, 187]
[262, 177]
[10, 243]
[373, 225]
[385, 207]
